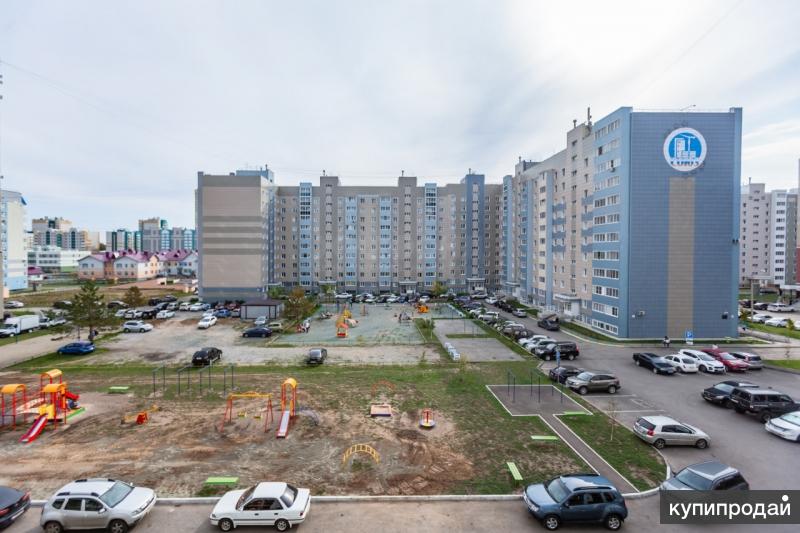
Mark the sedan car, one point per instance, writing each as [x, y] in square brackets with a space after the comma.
[261, 332]
[266, 504]
[753, 360]
[14, 304]
[734, 364]
[786, 426]
[560, 374]
[206, 322]
[136, 326]
[710, 475]
[76, 348]
[760, 318]
[13, 504]
[720, 393]
[164, 314]
[132, 313]
[682, 363]
[196, 307]
[705, 363]
[662, 431]
[206, 356]
[653, 362]
[103, 503]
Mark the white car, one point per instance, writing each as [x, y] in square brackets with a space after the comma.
[260, 321]
[196, 307]
[14, 304]
[760, 318]
[343, 296]
[682, 363]
[705, 363]
[489, 316]
[133, 313]
[165, 313]
[136, 326]
[491, 300]
[424, 299]
[209, 312]
[206, 322]
[120, 313]
[476, 312]
[786, 426]
[779, 308]
[777, 322]
[266, 504]
[184, 306]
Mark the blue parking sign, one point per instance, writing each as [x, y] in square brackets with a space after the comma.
[689, 337]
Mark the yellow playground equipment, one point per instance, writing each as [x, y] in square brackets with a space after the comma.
[142, 417]
[361, 448]
[342, 323]
[228, 416]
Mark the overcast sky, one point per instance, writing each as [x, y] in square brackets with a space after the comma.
[110, 108]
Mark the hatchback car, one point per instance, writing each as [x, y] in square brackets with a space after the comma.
[594, 382]
[13, 504]
[764, 403]
[266, 504]
[653, 362]
[76, 348]
[779, 307]
[261, 332]
[560, 374]
[734, 364]
[786, 426]
[165, 314]
[710, 475]
[755, 361]
[663, 431]
[580, 498]
[206, 356]
[316, 356]
[96, 504]
[705, 363]
[136, 326]
[720, 393]
[682, 363]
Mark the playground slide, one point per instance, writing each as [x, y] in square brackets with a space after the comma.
[71, 396]
[283, 427]
[35, 430]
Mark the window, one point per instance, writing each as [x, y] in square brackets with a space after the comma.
[92, 505]
[73, 504]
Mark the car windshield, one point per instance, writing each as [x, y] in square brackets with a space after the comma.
[705, 357]
[723, 387]
[289, 496]
[693, 480]
[792, 418]
[584, 376]
[556, 489]
[116, 493]
[245, 496]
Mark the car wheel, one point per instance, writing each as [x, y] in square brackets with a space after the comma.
[727, 403]
[703, 368]
[659, 443]
[613, 522]
[225, 524]
[282, 524]
[612, 389]
[570, 357]
[655, 371]
[53, 527]
[583, 390]
[702, 444]
[765, 417]
[118, 526]
[738, 409]
[637, 363]
[551, 522]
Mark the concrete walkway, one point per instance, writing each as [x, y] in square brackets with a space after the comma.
[28, 348]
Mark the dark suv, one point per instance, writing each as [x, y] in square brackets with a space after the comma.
[765, 403]
[206, 356]
[560, 374]
[568, 350]
[578, 498]
[594, 382]
[550, 323]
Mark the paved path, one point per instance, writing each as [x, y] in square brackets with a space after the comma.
[28, 348]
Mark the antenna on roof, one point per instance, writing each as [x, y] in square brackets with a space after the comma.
[402, 173]
[323, 171]
[589, 116]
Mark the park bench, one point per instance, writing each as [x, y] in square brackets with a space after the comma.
[514, 471]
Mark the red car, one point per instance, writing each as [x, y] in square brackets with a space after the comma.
[731, 363]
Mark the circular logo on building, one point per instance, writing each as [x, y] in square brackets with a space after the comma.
[685, 149]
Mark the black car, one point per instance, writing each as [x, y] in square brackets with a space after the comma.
[149, 313]
[154, 301]
[13, 504]
[169, 298]
[568, 350]
[561, 373]
[206, 356]
[766, 404]
[720, 393]
[257, 332]
[317, 356]
[760, 306]
[62, 304]
[550, 323]
[116, 304]
[653, 362]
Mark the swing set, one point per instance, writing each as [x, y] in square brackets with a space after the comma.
[267, 411]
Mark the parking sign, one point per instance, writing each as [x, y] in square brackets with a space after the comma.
[689, 337]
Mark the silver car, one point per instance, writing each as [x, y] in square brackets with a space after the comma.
[96, 504]
[753, 360]
[663, 431]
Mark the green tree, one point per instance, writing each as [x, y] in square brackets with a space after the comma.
[438, 289]
[89, 310]
[276, 292]
[133, 297]
[298, 305]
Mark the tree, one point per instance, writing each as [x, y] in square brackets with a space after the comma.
[89, 310]
[133, 297]
[438, 289]
[298, 305]
[276, 292]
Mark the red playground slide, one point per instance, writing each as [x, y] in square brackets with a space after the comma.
[35, 430]
[283, 427]
[71, 396]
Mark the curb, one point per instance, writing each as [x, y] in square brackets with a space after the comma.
[782, 369]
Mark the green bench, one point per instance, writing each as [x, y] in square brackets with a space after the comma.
[118, 389]
[514, 471]
[221, 480]
[544, 437]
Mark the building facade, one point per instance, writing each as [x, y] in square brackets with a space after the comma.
[60, 232]
[132, 265]
[52, 259]
[122, 239]
[12, 240]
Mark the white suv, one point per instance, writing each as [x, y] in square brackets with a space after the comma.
[705, 363]
[136, 326]
[106, 504]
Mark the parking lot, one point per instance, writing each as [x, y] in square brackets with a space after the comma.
[474, 349]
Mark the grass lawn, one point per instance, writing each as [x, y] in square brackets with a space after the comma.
[784, 363]
[46, 298]
[786, 332]
[769, 297]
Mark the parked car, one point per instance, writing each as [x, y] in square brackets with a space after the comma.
[136, 326]
[594, 382]
[172, 306]
[731, 363]
[276, 326]
[777, 322]
[62, 304]
[705, 363]
[779, 307]
[206, 356]
[479, 296]
[578, 498]
[760, 306]
[653, 362]
[560, 374]
[549, 323]
[682, 363]
[760, 318]
[53, 322]
[661, 431]
[260, 321]
[132, 313]
[206, 322]
[154, 301]
[755, 361]
[107, 504]
[222, 313]
[568, 350]
[489, 315]
[259, 331]
[518, 312]
[710, 475]
[76, 348]
[149, 313]
[491, 300]
[720, 393]
[184, 306]
[316, 356]
[13, 504]
[764, 403]
[266, 504]
[533, 345]
[14, 304]
[197, 307]
[164, 314]
[786, 426]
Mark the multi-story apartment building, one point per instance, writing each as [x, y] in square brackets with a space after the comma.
[150, 231]
[12, 240]
[60, 232]
[614, 229]
[178, 238]
[122, 239]
[52, 259]
[402, 237]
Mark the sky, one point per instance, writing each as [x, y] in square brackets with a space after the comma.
[110, 109]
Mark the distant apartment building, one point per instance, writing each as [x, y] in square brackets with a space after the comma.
[178, 238]
[121, 239]
[60, 232]
[13, 240]
[633, 228]
[131, 265]
[150, 231]
[53, 260]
